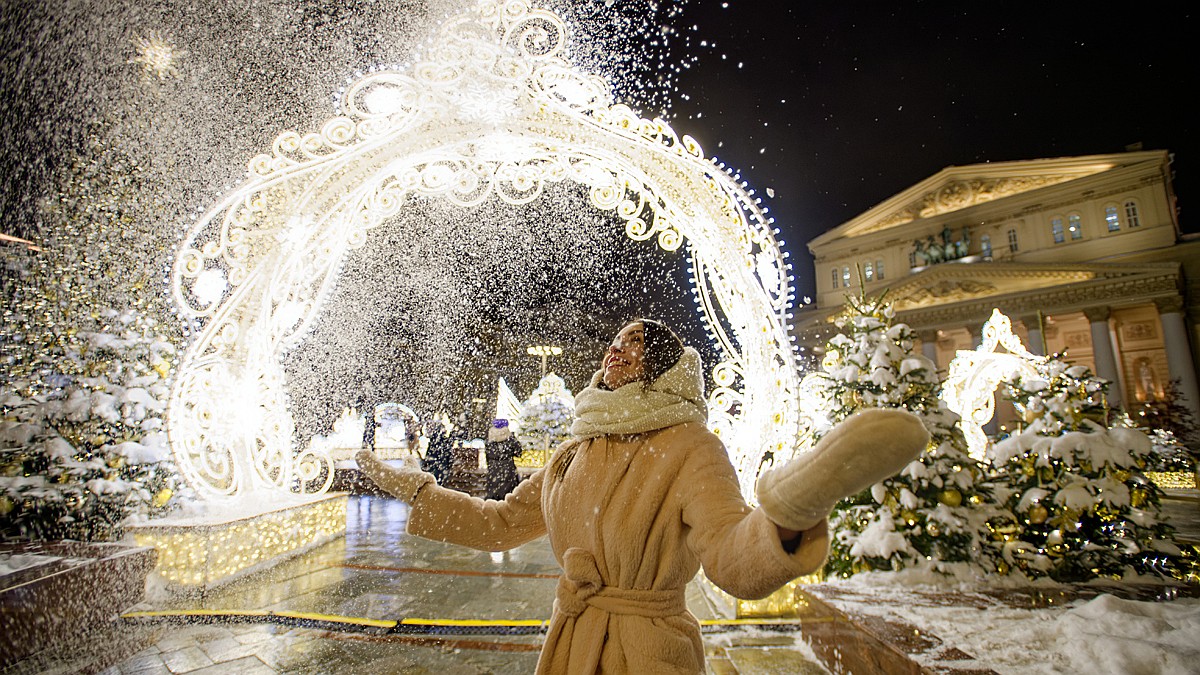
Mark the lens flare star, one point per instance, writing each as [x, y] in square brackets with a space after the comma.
[157, 56]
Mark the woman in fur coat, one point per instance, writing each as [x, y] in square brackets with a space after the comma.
[643, 496]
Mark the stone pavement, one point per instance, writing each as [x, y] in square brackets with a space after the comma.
[376, 572]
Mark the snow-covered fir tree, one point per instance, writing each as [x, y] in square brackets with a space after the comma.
[1168, 414]
[1083, 506]
[82, 449]
[84, 386]
[930, 514]
[547, 414]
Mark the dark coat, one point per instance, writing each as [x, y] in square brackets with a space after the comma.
[438, 455]
[502, 469]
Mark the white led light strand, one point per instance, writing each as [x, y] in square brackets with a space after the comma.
[493, 109]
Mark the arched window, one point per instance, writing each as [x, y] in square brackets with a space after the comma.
[1012, 241]
[1075, 226]
[1111, 218]
[1056, 229]
[1132, 219]
[846, 277]
[878, 269]
[985, 245]
[835, 276]
[869, 271]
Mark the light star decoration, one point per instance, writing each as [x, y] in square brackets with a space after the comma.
[157, 56]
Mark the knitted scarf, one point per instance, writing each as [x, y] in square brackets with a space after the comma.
[677, 396]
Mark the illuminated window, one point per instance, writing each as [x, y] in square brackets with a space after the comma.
[1111, 218]
[846, 277]
[869, 271]
[1012, 241]
[1075, 226]
[835, 277]
[1131, 214]
[878, 269]
[1056, 229]
[985, 245]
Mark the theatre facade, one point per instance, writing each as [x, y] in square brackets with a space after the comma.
[1084, 254]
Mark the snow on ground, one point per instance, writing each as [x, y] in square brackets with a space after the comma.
[1102, 635]
[18, 561]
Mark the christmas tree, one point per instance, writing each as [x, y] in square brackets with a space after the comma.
[1168, 414]
[547, 415]
[82, 448]
[931, 513]
[1084, 508]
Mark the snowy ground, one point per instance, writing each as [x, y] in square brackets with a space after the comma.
[1101, 634]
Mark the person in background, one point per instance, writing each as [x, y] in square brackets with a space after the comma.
[501, 449]
[439, 452]
[643, 495]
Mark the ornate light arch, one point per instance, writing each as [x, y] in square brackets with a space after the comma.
[970, 386]
[493, 109]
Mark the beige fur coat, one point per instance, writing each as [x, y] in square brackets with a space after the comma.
[630, 522]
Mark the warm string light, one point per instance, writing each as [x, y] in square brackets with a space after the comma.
[194, 556]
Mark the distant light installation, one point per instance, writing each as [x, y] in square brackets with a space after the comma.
[493, 110]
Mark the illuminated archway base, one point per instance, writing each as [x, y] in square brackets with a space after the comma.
[492, 110]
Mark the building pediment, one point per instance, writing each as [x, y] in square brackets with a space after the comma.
[960, 187]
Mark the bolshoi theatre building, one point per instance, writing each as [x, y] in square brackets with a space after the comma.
[1084, 254]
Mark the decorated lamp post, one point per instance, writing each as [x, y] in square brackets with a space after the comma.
[544, 351]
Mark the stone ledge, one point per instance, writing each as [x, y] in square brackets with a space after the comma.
[79, 585]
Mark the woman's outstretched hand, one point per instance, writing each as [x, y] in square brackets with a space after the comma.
[402, 482]
[860, 451]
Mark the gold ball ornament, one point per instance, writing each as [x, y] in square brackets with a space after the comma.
[163, 369]
[164, 495]
[950, 497]
[909, 517]
[1002, 567]
[1138, 497]
[1038, 514]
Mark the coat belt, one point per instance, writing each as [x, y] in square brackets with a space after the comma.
[580, 587]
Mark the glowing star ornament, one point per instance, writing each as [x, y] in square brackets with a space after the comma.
[157, 56]
[494, 112]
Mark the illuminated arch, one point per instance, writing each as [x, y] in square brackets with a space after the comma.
[493, 109]
[970, 386]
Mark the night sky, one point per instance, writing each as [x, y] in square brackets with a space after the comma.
[837, 106]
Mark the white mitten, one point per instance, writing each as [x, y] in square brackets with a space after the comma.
[858, 452]
[402, 482]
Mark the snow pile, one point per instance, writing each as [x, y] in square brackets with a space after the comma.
[1105, 634]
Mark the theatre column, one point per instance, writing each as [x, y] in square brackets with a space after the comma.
[975, 330]
[1033, 330]
[1102, 352]
[929, 345]
[1179, 352]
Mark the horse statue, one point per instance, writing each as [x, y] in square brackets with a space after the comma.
[934, 251]
[919, 253]
[963, 245]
